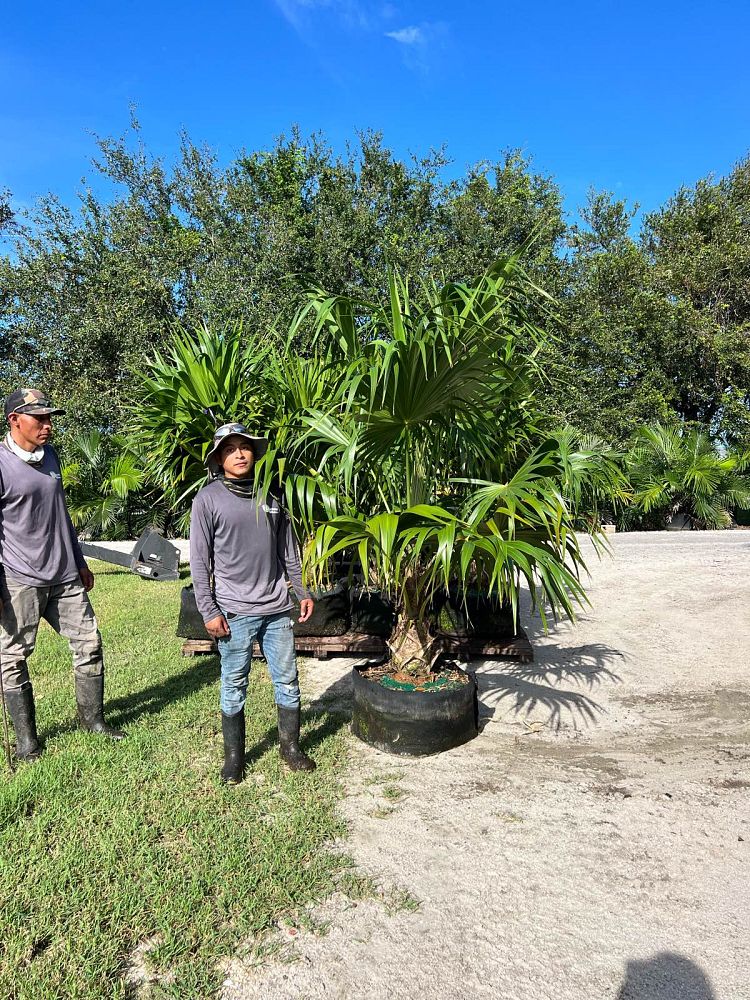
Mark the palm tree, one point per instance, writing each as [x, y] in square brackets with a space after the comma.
[206, 377]
[104, 482]
[407, 439]
[593, 481]
[427, 463]
[202, 379]
[676, 470]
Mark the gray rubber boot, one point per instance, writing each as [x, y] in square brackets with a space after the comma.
[21, 709]
[90, 702]
[233, 731]
[289, 746]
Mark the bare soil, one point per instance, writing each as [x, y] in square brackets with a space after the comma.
[446, 676]
[593, 842]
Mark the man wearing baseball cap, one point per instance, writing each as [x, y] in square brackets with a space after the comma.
[242, 552]
[42, 572]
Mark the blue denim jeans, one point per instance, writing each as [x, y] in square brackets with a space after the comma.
[276, 639]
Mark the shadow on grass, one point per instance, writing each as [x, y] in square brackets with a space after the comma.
[153, 699]
[317, 726]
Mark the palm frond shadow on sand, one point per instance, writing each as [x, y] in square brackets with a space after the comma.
[524, 687]
[555, 682]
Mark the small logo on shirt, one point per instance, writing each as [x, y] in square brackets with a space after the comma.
[55, 475]
[270, 510]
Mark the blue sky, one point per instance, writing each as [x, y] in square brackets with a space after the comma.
[637, 98]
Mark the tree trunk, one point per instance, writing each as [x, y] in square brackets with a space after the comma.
[411, 645]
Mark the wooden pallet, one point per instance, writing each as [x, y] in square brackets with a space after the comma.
[318, 646]
[198, 647]
[322, 647]
[515, 647]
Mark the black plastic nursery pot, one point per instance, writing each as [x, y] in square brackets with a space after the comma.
[331, 613]
[414, 723]
[190, 623]
[330, 617]
[371, 612]
[472, 613]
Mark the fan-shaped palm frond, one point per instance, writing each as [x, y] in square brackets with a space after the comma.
[680, 470]
[204, 378]
[104, 484]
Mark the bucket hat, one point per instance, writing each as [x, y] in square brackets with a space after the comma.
[260, 444]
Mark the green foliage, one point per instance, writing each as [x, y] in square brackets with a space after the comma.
[593, 480]
[699, 244]
[651, 327]
[657, 328]
[674, 470]
[199, 380]
[440, 373]
[6, 212]
[87, 295]
[438, 399]
[607, 367]
[105, 483]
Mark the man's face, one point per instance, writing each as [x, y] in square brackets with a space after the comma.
[30, 430]
[236, 457]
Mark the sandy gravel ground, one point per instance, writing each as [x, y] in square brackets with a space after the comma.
[592, 842]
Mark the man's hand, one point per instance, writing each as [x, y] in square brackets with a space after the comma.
[217, 628]
[87, 578]
[306, 608]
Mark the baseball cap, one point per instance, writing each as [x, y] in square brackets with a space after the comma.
[30, 401]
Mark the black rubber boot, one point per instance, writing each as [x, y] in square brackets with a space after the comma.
[233, 731]
[289, 747]
[20, 705]
[90, 701]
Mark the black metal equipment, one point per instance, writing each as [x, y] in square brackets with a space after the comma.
[153, 557]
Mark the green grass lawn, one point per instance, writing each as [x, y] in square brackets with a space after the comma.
[106, 846]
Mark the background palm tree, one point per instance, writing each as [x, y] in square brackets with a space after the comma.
[104, 482]
[203, 378]
[676, 470]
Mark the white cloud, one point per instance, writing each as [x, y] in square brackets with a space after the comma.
[293, 10]
[407, 36]
[420, 44]
[298, 13]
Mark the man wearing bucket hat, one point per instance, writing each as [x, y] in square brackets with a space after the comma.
[42, 572]
[242, 552]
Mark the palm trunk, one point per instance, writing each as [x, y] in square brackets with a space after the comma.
[411, 645]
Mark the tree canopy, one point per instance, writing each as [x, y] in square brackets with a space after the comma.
[649, 327]
[657, 328]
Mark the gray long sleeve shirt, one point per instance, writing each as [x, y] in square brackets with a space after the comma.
[38, 544]
[241, 553]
